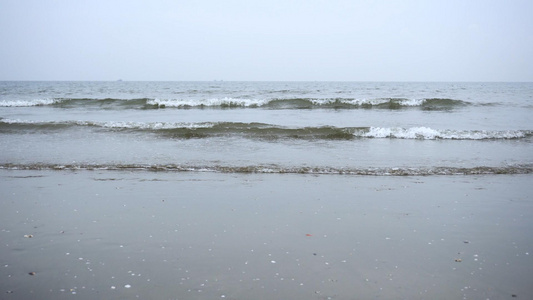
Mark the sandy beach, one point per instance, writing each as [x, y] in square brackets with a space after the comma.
[193, 235]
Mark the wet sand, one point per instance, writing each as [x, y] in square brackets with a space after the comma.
[157, 235]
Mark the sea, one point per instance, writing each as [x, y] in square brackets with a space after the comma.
[343, 128]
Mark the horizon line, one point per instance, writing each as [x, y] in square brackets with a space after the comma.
[220, 80]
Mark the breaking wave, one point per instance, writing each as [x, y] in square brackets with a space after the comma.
[28, 103]
[225, 103]
[266, 131]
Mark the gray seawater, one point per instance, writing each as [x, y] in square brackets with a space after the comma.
[367, 128]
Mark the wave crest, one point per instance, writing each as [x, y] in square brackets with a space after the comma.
[425, 133]
[229, 102]
[28, 103]
[268, 131]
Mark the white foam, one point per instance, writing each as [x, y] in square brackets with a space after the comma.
[28, 103]
[118, 125]
[483, 134]
[213, 102]
[412, 102]
[426, 133]
[150, 125]
[18, 121]
[218, 102]
[372, 102]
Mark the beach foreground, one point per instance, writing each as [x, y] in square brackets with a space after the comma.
[195, 235]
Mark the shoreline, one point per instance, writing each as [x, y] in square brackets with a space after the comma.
[515, 169]
[195, 235]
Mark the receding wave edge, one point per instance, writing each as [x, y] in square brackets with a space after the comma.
[273, 169]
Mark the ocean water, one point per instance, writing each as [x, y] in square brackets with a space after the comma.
[366, 128]
[156, 219]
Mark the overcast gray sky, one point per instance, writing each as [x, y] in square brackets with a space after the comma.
[409, 40]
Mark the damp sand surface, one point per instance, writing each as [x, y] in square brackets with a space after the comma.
[195, 235]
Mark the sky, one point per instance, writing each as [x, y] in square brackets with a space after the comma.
[275, 40]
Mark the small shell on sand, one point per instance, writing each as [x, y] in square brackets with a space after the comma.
[29, 236]
[458, 260]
